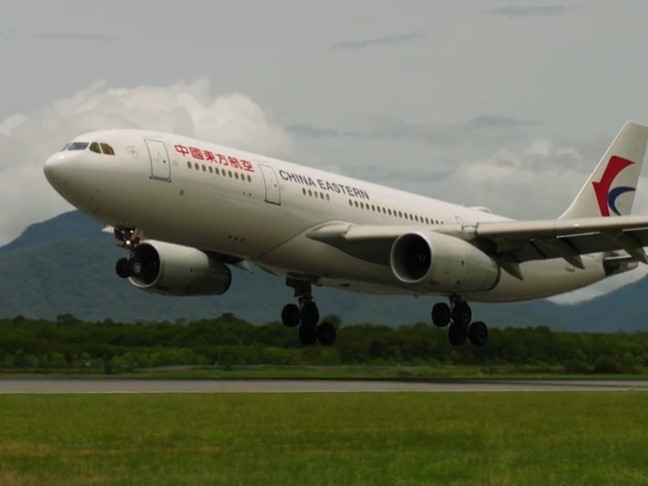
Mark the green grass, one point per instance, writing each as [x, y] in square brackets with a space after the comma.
[409, 438]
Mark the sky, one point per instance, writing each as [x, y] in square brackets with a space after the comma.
[478, 102]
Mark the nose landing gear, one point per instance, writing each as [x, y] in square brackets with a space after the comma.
[457, 316]
[128, 239]
[307, 316]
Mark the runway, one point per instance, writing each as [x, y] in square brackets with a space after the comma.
[10, 386]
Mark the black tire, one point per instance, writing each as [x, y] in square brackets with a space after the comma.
[461, 314]
[122, 267]
[457, 334]
[310, 314]
[441, 314]
[290, 315]
[326, 333]
[478, 333]
[307, 335]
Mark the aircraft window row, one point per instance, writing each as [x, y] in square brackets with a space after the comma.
[215, 170]
[97, 147]
[393, 212]
[315, 194]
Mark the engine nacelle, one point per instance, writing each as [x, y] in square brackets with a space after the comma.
[434, 262]
[165, 268]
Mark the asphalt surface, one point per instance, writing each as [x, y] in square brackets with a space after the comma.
[130, 386]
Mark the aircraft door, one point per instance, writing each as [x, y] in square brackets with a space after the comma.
[272, 192]
[160, 162]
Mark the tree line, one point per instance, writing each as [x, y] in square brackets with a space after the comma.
[68, 343]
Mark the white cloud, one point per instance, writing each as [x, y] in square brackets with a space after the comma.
[9, 124]
[536, 179]
[26, 140]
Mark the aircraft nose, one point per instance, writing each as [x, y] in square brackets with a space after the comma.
[55, 169]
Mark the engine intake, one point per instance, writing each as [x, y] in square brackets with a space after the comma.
[165, 268]
[434, 262]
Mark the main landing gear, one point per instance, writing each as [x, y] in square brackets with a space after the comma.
[306, 316]
[457, 317]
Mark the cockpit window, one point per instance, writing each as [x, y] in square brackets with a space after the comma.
[78, 146]
[106, 149]
[65, 147]
[96, 147]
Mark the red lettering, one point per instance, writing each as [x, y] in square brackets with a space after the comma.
[233, 161]
[182, 149]
[222, 159]
[209, 156]
[196, 153]
[247, 165]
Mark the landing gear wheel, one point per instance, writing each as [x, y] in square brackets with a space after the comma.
[123, 268]
[478, 333]
[461, 314]
[457, 334]
[326, 333]
[441, 314]
[307, 334]
[290, 315]
[309, 315]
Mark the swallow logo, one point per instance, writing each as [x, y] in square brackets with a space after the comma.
[605, 196]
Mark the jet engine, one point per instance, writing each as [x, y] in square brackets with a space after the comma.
[434, 262]
[165, 268]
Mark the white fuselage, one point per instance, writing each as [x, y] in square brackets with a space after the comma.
[259, 209]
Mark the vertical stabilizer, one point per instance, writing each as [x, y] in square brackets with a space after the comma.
[610, 190]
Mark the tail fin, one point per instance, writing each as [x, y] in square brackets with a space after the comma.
[610, 190]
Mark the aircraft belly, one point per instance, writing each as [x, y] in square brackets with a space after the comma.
[542, 279]
[302, 257]
[326, 265]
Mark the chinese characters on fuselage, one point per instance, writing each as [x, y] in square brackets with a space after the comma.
[215, 158]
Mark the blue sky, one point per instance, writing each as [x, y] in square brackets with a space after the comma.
[489, 103]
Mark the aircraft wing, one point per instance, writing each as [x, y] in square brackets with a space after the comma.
[523, 241]
[509, 242]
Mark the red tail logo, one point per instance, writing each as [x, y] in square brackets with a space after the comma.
[605, 196]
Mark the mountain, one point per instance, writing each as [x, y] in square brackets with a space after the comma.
[65, 227]
[66, 266]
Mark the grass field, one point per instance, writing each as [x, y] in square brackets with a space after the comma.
[409, 438]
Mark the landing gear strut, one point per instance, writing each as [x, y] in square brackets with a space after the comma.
[457, 316]
[306, 316]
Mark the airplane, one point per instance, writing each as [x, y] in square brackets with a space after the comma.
[188, 211]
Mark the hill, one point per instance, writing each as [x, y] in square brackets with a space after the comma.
[66, 266]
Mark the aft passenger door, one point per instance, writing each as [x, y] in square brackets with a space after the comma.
[160, 163]
[272, 192]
